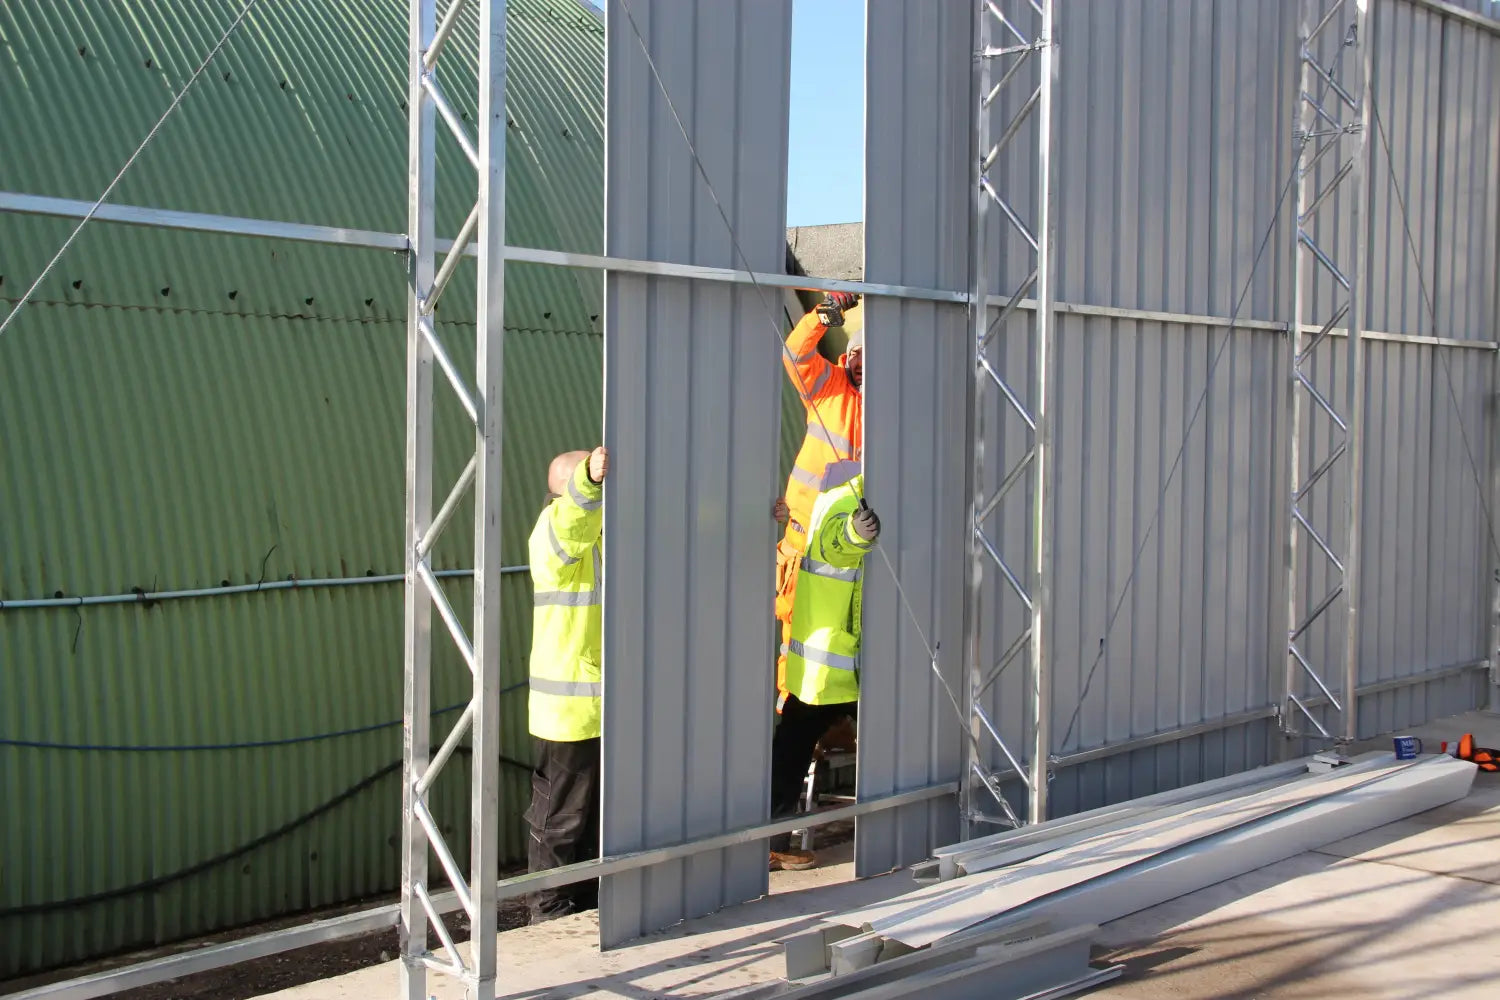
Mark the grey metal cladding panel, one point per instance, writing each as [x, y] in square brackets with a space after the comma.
[1436, 103]
[1175, 224]
[1173, 146]
[692, 395]
[1408, 108]
[917, 374]
[1424, 600]
[1160, 768]
[1161, 595]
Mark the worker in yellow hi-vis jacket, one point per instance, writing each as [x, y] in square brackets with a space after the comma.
[822, 655]
[566, 681]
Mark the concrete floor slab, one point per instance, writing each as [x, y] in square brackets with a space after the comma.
[1399, 913]
[737, 947]
[1396, 913]
[1314, 926]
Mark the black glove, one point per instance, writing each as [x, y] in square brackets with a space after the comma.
[831, 309]
[866, 524]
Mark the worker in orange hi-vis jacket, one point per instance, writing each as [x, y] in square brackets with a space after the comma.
[835, 430]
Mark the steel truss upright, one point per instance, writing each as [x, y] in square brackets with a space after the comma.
[1009, 34]
[476, 887]
[1332, 116]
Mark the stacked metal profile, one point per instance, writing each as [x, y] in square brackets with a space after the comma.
[1005, 906]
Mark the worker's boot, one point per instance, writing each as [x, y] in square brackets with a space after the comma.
[791, 860]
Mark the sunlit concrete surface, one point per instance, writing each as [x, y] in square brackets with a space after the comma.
[1402, 912]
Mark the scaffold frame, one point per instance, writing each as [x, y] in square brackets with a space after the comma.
[1011, 49]
[1342, 130]
[474, 886]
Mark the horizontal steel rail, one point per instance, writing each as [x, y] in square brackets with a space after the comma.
[156, 218]
[1457, 13]
[1108, 750]
[380, 918]
[159, 218]
[383, 917]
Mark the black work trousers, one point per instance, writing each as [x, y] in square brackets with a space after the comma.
[564, 821]
[797, 734]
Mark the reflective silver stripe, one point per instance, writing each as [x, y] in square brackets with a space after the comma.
[565, 598]
[822, 569]
[557, 547]
[798, 359]
[818, 383]
[598, 569]
[822, 656]
[567, 689]
[829, 438]
[806, 478]
[576, 495]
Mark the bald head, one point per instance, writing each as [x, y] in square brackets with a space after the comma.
[561, 470]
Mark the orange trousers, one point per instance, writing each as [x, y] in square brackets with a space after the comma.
[788, 556]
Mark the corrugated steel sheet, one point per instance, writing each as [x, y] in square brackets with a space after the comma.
[179, 410]
[917, 209]
[1174, 146]
[695, 383]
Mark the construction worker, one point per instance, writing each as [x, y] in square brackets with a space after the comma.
[835, 430]
[822, 659]
[566, 681]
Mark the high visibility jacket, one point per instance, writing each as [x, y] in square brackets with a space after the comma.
[822, 656]
[566, 640]
[835, 431]
[835, 416]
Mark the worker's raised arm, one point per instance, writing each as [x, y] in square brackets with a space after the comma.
[577, 518]
[809, 371]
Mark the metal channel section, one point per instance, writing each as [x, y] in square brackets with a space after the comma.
[1004, 47]
[474, 887]
[1333, 120]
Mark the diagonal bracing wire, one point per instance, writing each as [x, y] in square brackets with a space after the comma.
[775, 325]
[88, 217]
[1213, 367]
[1441, 353]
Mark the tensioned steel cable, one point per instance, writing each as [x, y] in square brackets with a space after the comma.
[775, 327]
[88, 217]
[1213, 367]
[1432, 317]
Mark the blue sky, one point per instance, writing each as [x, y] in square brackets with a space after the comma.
[826, 181]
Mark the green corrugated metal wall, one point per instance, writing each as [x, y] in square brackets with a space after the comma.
[180, 410]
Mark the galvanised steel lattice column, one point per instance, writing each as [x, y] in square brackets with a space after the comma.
[1333, 119]
[476, 888]
[1004, 49]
